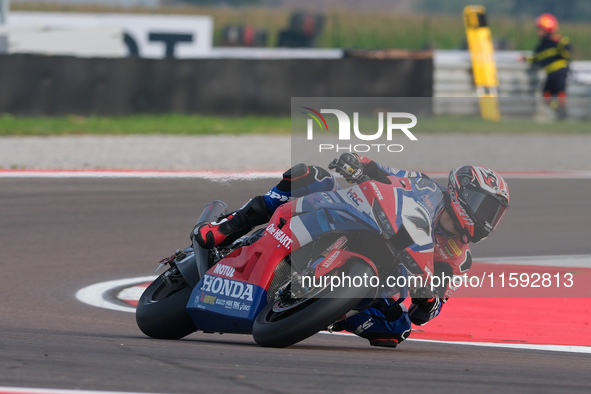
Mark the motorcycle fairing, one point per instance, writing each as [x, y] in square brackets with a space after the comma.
[232, 293]
[225, 305]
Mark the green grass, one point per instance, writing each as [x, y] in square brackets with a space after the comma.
[208, 125]
[471, 125]
[142, 124]
[366, 30]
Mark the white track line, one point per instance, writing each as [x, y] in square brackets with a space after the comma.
[521, 346]
[210, 175]
[246, 175]
[569, 261]
[95, 294]
[57, 391]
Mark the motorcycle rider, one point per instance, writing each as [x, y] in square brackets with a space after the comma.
[476, 199]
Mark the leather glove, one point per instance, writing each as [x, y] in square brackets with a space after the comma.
[350, 167]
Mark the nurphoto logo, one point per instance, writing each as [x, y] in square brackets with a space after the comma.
[345, 130]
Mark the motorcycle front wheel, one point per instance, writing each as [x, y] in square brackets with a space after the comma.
[286, 327]
[161, 311]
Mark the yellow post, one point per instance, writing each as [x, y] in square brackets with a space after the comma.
[480, 43]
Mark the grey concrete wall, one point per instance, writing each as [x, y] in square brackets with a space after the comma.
[59, 85]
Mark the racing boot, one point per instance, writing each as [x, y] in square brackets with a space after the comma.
[392, 340]
[232, 226]
[385, 327]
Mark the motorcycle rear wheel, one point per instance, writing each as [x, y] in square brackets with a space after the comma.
[161, 311]
[282, 329]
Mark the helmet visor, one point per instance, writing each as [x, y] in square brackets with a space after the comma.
[485, 209]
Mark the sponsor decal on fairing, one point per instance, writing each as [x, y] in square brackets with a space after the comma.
[280, 236]
[224, 270]
[355, 199]
[235, 305]
[227, 287]
[377, 191]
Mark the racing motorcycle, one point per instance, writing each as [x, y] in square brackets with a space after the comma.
[277, 283]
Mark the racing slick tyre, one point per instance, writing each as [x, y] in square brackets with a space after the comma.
[161, 312]
[284, 328]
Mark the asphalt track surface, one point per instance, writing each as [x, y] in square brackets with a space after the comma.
[59, 235]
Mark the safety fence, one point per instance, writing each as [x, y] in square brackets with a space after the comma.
[520, 86]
